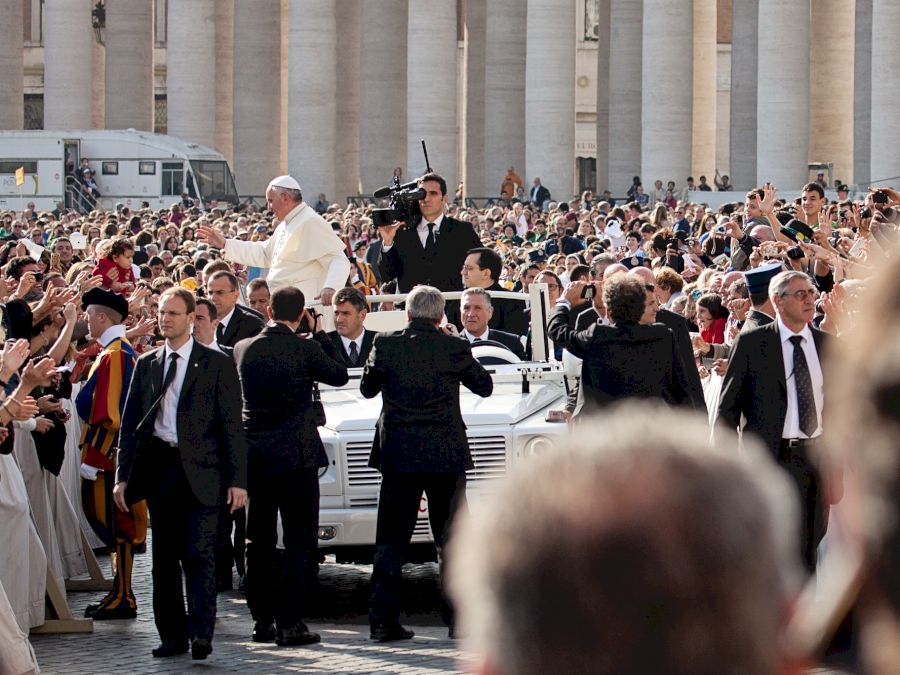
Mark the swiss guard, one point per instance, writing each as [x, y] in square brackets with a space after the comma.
[100, 404]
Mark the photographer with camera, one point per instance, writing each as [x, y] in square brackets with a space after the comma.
[430, 251]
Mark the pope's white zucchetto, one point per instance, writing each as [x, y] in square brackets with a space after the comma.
[285, 182]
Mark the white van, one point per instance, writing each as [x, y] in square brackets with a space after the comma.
[129, 167]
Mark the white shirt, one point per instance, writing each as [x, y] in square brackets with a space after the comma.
[792, 416]
[165, 426]
[472, 337]
[112, 333]
[225, 319]
[422, 228]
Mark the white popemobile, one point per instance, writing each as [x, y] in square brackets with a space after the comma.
[503, 429]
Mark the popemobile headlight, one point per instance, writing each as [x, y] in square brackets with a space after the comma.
[538, 446]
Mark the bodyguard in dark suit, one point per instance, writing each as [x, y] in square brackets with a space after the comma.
[285, 454]
[420, 443]
[774, 380]
[477, 310]
[625, 359]
[351, 341]
[431, 252]
[236, 322]
[182, 448]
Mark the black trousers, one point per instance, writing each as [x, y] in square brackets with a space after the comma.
[230, 555]
[277, 585]
[813, 509]
[184, 539]
[398, 509]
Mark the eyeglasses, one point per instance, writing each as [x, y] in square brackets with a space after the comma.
[810, 293]
[649, 287]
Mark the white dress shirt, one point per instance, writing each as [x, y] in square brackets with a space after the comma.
[792, 416]
[223, 322]
[422, 228]
[165, 426]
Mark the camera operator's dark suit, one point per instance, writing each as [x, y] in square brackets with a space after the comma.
[285, 453]
[410, 264]
[420, 445]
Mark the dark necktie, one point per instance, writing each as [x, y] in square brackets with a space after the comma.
[220, 332]
[806, 402]
[478, 339]
[429, 239]
[354, 353]
[167, 382]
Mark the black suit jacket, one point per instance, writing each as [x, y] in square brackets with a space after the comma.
[418, 371]
[244, 323]
[621, 361]
[281, 430]
[755, 386]
[408, 263]
[343, 356]
[693, 390]
[211, 440]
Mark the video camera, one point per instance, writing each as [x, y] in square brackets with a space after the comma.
[405, 198]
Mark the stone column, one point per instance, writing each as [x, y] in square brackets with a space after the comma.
[744, 54]
[473, 95]
[625, 56]
[311, 97]
[98, 86]
[504, 84]
[862, 95]
[431, 89]
[550, 97]
[831, 41]
[348, 15]
[257, 110]
[68, 45]
[703, 152]
[603, 97]
[12, 103]
[191, 71]
[885, 143]
[782, 106]
[667, 100]
[224, 20]
[382, 100]
[129, 64]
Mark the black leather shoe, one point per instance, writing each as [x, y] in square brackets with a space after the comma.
[200, 648]
[122, 611]
[224, 584]
[171, 648]
[263, 632]
[382, 633]
[296, 637]
[90, 609]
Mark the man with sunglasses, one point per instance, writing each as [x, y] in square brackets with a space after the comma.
[775, 380]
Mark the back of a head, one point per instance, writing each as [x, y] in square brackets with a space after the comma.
[425, 303]
[645, 553]
[287, 304]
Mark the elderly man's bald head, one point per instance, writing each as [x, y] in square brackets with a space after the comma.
[763, 233]
[613, 270]
[644, 274]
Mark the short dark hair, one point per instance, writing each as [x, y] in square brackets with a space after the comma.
[232, 280]
[256, 284]
[351, 295]
[155, 260]
[580, 272]
[816, 187]
[437, 179]
[213, 312]
[15, 266]
[180, 292]
[287, 304]
[625, 298]
[488, 260]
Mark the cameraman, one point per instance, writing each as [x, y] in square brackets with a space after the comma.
[430, 252]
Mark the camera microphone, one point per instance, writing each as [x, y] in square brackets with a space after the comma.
[388, 190]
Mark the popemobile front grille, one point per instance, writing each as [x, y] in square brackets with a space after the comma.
[488, 455]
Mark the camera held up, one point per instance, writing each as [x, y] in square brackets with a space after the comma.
[405, 198]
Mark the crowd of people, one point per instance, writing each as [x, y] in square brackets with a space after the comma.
[135, 333]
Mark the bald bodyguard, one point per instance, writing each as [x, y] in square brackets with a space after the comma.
[303, 252]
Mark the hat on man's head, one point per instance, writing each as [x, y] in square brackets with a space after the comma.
[360, 244]
[758, 279]
[285, 182]
[538, 255]
[105, 298]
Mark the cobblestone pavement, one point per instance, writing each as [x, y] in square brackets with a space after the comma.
[338, 613]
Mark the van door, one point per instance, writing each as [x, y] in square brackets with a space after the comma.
[71, 186]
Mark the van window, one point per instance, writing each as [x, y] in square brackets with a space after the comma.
[214, 179]
[10, 167]
[172, 178]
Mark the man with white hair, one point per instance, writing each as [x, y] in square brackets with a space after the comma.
[303, 251]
